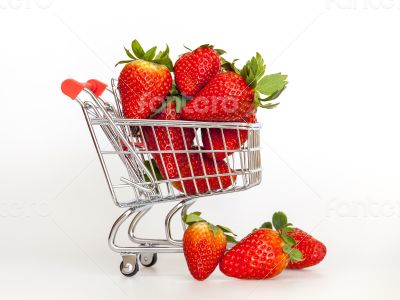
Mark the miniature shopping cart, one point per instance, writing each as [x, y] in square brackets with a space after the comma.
[132, 180]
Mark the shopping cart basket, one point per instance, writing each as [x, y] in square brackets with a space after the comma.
[132, 176]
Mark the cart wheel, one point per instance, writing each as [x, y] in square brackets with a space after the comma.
[129, 266]
[148, 259]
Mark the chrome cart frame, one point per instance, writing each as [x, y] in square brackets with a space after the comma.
[138, 188]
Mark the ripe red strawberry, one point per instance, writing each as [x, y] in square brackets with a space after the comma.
[257, 256]
[194, 69]
[231, 139]
[197, 169]
[144, 82]
[169, 139]
[234, 95]
[264, 253]
[203, 245]
[313, 250]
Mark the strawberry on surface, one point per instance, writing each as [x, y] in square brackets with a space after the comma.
[203, 245]
[224, 139]
[194, 69]
[264, 253]
[145, 81]
[236, 94]
[257, 256]
[313, 250]
[204, 185]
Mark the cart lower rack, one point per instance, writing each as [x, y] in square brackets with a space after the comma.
[131, 166]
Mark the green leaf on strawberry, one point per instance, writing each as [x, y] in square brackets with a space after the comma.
[279, 220]
[151, 165]
[174, 90]
[197, 213]
[123, 62]
[253, 70]
[288, 239]
[267, 225]
[270, 84]
[230, 239]
[295, 255]
[178, 100]
[219, 51]
[162, 58]
[150, 54]
[129, 53]
[214, 229]
[194, 217]
[137, 49]
[229, 234]
[280, 223]
[226, 229]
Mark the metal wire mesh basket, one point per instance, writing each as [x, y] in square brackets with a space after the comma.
[140, 185]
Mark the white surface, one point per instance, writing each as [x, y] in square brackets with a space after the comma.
[330, 150]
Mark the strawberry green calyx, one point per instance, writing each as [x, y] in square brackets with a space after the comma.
[151, 166]
[266, 88]
[178, 100]
[162, 58]
[219, 51]
[194, 217]
[153, 169]
[253, 70]
[280, 223]
[229, 235]
[267, 225]
[174, 90]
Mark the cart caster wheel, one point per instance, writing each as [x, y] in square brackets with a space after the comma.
[148, 259]
[129, 266]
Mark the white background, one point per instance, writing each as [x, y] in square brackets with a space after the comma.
[330, 151]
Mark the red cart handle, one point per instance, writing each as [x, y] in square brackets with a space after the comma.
[72, 88]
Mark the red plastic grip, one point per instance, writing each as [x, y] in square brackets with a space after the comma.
[72, 88]
[99, 87]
